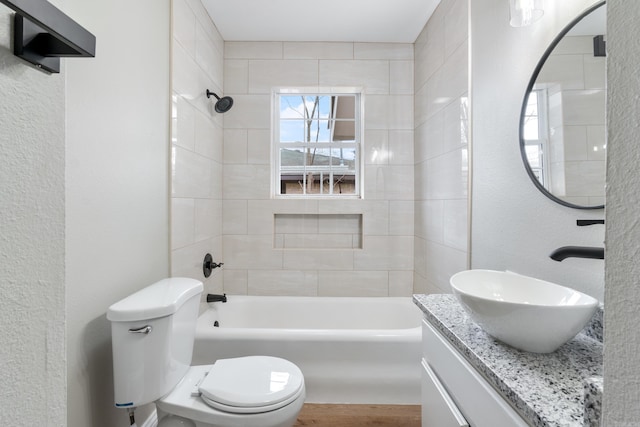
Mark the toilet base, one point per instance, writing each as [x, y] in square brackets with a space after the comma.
[179, 407]
[170, 420]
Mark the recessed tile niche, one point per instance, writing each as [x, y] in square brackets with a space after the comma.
[312, 231]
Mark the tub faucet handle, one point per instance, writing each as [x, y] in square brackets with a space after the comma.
[208, 265]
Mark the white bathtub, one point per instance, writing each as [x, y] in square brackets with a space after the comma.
[351, 350]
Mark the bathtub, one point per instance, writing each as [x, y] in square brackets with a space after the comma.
[350, 350]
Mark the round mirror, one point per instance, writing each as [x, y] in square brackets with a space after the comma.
[562, 124]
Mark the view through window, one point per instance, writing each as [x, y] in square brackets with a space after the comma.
[317, 144]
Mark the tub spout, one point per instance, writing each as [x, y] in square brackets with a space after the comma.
[216, 298]
[577, 252]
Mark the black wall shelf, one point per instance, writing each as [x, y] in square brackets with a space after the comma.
[42, 34]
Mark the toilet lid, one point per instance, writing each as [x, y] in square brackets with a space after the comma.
[251, 384]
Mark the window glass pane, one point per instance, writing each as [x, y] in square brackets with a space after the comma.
[344, 184]
[531, 128]
[344, 131]
[344, 107]
[319, 157]
[292, 131]
[318, 131]
[317, 144]
[534, 154]
[532, 104]
[344, 158]
[291, 107]
[324, 107]
[291, 158]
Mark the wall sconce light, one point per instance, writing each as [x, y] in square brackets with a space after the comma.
[525, 12]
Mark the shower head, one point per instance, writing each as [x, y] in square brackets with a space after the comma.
[223, 104]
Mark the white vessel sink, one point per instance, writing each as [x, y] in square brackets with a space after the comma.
[526, 313]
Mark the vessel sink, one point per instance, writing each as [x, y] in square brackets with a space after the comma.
[526, 313]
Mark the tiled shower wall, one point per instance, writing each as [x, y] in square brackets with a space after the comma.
[196, 132]
[441, 148]
[253, 263]
[576, 81]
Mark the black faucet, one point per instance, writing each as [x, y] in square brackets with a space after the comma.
[577, 252]
[216, 298]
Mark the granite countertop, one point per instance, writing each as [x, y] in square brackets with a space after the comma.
[563, 388]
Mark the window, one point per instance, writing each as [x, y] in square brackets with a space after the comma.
[316, 144]
[536, 134]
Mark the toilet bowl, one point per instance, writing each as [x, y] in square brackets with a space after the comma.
[258, 397]
[153, 331]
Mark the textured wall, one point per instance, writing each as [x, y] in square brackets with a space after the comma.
[384, 265]
[514, 226]
[117, 187]
[32, 354]
[622, 335]
[196, 180]
[441, 148]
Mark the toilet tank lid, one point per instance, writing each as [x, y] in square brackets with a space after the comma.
[161, 299]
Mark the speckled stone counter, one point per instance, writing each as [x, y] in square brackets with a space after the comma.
[548, 390]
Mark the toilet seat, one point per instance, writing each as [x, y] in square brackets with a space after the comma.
[250, 385]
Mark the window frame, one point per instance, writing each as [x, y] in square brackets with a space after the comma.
[277, 145]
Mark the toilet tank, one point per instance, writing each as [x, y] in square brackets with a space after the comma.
[152, 334]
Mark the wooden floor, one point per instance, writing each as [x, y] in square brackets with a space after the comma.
[323, 415]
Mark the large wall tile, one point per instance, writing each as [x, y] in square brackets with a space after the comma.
[184, 27]
[251, 252]
[441, 141]
[391, 51]
[235, 146]
[234, 217]
[191, 174]
[183, 123]
[249, 112]
[264, 75]
[182, 222]
[253, 50]
[318, 50]
[372, 75]
[318, 259]
[400, 283]
[259, 147]
[353, 283]
[385, 253]
[246, 182]
[283, 282]
[236, 76]
[401, 147]
[401, 218]
[401, 77]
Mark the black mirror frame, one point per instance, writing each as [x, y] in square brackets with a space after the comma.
[532, 82]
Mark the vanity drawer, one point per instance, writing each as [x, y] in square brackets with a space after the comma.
[479, 402]
[438, 409]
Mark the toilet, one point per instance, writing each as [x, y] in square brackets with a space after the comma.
[153, 331]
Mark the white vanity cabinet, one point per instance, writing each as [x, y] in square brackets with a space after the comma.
[454, 394]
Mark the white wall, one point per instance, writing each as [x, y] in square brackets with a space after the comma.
[116, 187]
[441, 148]
[514, 226]
[622, 336]
[196, 180]
[32, 354]
[384, 265]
